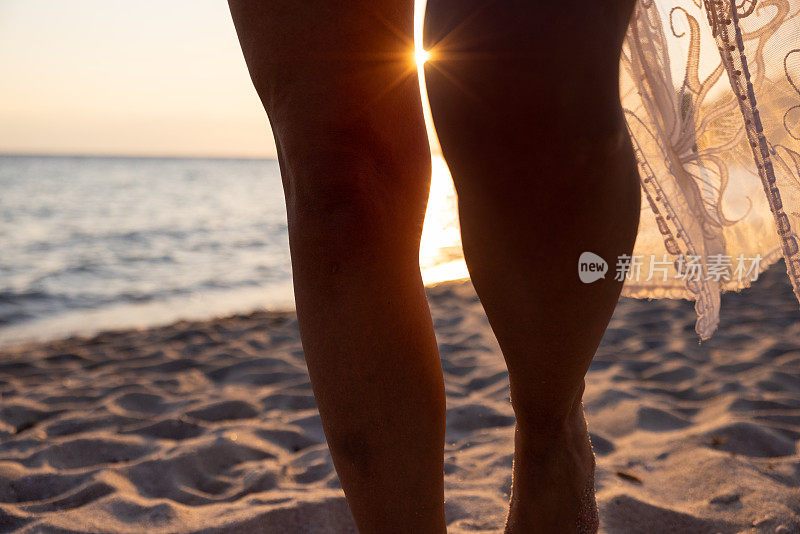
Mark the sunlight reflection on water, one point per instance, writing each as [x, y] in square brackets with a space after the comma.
[96, 243]
[440, 255]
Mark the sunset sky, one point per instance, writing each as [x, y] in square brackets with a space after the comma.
[140, 77]
[143, 77]
[123, 77]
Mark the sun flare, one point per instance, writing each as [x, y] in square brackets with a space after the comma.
[421, 56]
[440, 254]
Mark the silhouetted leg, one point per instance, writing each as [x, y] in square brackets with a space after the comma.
[525, 100]
[339, 84]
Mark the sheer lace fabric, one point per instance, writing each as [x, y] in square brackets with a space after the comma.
[711, 94]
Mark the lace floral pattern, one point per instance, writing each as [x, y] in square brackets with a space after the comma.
[710, 93]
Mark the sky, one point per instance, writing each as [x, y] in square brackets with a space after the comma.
[138, 77]
[126, 77]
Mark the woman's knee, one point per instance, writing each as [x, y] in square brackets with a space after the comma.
[348, 198]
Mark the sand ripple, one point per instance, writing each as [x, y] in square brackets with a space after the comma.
[212, 427]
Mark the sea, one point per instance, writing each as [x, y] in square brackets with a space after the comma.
[95, 243]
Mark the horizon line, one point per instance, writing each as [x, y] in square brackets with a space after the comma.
[119, 155]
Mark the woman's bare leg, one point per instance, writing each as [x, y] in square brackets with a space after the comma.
[339, 84]
[524, 96]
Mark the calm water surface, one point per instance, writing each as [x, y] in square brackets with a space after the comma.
[91, 243]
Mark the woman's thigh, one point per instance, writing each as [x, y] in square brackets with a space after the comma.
[517, 81]
[337, 79]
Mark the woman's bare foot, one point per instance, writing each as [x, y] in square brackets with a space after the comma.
[553, 485]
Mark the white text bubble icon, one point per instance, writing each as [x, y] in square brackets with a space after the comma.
[591, 267]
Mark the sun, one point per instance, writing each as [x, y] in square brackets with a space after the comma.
[421, 56]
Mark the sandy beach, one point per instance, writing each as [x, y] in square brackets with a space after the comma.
[211, 426]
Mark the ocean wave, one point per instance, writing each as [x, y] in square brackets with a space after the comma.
[99, 233]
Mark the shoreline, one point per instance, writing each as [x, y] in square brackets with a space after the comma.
[206, 307]
[121, 317]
